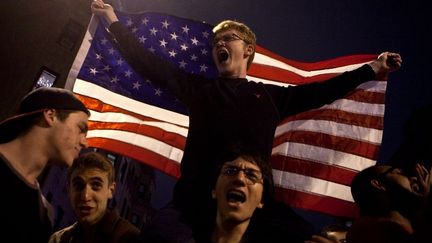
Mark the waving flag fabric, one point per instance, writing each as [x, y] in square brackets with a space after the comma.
[315, 153]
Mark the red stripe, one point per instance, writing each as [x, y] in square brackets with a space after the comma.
[143, 155]
[336, 143]
[320, 65]
[170, 138]
[318, 203]
[322, 171]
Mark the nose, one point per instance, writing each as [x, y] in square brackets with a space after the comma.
[240, 177]
[83, 142]
[85, 193]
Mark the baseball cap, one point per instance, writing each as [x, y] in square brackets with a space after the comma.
[35, 102]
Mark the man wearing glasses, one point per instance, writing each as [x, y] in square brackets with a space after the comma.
[230, 109]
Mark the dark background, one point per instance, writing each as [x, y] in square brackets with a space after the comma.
[47, 33]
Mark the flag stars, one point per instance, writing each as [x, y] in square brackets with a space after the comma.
[165, 24]
[120, 61]
[172, 53]
[134, 29]
[185, 29]
[193, 57]
[98, 56]
[114, 80]
[184, 47]
[104, 41]
[158, 92]
[151, 49]
[153, 31]
[174, 36]
[107, 68]
[128, 73]
[136, 85]
[182, 64]
[129, 22]
[194, 41]
[204, 52]
[163, 43]
[203, 68]
[111, 51]
[206, 34]
[144, 21]
[93, 71]
[142, 39]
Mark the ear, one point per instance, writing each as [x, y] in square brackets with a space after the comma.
[213, 194]
[111, 190]
[260, 205]
[377, 184]
[49, 116]
[249, 50]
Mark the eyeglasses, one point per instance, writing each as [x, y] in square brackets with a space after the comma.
[252, 176]
[226, 38]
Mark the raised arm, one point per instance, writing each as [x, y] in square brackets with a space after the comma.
[385, 63]
[106, 11]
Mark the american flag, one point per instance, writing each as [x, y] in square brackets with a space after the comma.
[315, 154]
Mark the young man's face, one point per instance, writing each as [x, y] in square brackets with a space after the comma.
[238, 192]
[89, 192]
[230, 54]
[68, 137]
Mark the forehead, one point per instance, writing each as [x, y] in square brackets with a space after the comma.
[243, 163]
[89, 173]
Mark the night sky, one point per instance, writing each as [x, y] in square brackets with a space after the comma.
[316, 30]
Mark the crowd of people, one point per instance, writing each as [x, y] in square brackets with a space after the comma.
[229, 198]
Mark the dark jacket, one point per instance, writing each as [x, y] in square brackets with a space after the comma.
[110, 229]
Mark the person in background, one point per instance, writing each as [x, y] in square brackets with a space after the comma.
[91, 184]
[392, 204]
[50, 128]
[230, 109]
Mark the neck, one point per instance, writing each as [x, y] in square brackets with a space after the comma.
[25, 155]
[229, 231]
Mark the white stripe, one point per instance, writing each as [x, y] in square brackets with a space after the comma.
[374, 86]
[369, 135]
[268, 61]
[124, 118]
[92, 90]
[370, 109]
[307, 184]
[322, 155]
[138, 140]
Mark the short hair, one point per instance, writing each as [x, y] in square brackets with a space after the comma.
[92, 160]
[247, 34]
[362, 191]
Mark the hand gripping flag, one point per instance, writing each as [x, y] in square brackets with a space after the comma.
[315, 153]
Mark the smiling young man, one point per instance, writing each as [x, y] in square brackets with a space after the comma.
[49, 129]
[91, 184]
[229, 109]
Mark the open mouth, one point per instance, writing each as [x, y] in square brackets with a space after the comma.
[236, 196]
[222, 55]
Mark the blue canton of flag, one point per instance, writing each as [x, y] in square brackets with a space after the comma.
[183, 42]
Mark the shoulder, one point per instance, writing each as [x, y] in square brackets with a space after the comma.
[62, 235]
